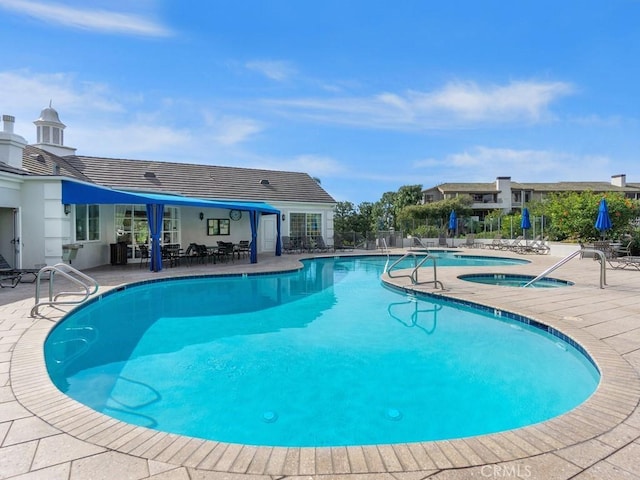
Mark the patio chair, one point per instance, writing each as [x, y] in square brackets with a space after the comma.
[442, 240]
[244, 248]
[470, 241]
[338, 244]
[10, 277]
[192, 252]
[623, 250]
[286, 244]
[144, 254]
[225, 251]
[322, 246]
[497, 243]
[537, 245]
[514, 245]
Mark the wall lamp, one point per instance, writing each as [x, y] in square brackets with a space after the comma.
[283, 217]
[201, 216]
[67, 209]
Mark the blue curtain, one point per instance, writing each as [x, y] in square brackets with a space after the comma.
[278, 241]
[155, 214]
[254, 219]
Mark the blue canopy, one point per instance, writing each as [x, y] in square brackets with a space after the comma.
[603, 222]
[453, 220]
[74, 192]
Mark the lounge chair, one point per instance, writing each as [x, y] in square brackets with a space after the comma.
[497, 243]
[10, 277]
[322, 246]
[470, 241]
[538, 246]
[338, 244]
[622, 250]
[627, 261]
[442, 240]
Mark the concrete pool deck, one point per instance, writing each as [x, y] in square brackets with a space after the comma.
[46, 435]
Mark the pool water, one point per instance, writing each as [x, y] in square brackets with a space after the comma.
[511, 280]
[325, 356]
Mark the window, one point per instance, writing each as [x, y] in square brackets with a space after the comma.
[132, 227]
[218, 226]
[305, 225]
[87, 222]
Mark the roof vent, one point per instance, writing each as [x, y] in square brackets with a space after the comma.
[264, 181]
[149, 175]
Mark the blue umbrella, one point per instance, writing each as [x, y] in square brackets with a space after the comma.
[453, 220]
[525, 224]
[603, 222]
[453, 223]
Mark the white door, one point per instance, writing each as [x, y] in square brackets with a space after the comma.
[268, 233]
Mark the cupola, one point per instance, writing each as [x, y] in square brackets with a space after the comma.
[50, 133]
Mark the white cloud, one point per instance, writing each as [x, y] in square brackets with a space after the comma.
[275, 70]
[456, 105]
[105, 122]
[234, 130]
[133, 140]
[516, 100]
[315, 165]
[87, 19]
[484, 164]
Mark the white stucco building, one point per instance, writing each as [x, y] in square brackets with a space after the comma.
[202, 203]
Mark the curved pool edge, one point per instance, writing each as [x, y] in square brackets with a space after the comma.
[614, 400]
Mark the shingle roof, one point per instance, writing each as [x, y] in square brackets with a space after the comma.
[538, 187]
[573, 187]
[40, 162]
[468, 187]
[203, 181]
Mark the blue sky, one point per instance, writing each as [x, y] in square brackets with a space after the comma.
[365, 95]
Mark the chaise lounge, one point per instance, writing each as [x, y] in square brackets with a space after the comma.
[10, 277]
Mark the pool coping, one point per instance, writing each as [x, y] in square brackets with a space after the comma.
[613, 402]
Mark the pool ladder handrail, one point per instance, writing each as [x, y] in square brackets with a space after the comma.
[85, 282]
[414, 273]
[603, 266]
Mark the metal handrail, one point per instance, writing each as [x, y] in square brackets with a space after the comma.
[88, 284]
[416, 266]
[603, 266]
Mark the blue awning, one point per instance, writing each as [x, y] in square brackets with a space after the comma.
[86, 193]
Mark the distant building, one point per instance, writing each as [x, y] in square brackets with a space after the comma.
[202, 203]
[507, 195]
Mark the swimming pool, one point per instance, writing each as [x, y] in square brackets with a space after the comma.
[321, 357]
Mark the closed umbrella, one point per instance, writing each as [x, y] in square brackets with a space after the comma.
[525, 224]
[603, 222]
[453, 224]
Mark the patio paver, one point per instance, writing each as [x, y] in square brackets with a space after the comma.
[44, 434]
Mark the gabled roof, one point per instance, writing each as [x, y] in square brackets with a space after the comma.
[202, 181]
[537, 187]
[573, 187]
[37, 161]
[467, 187]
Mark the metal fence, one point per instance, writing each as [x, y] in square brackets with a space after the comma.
[368, 241]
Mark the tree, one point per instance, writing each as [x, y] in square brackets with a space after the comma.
[572, 215]
[343, 216]
[435, 213]
[384, 211]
